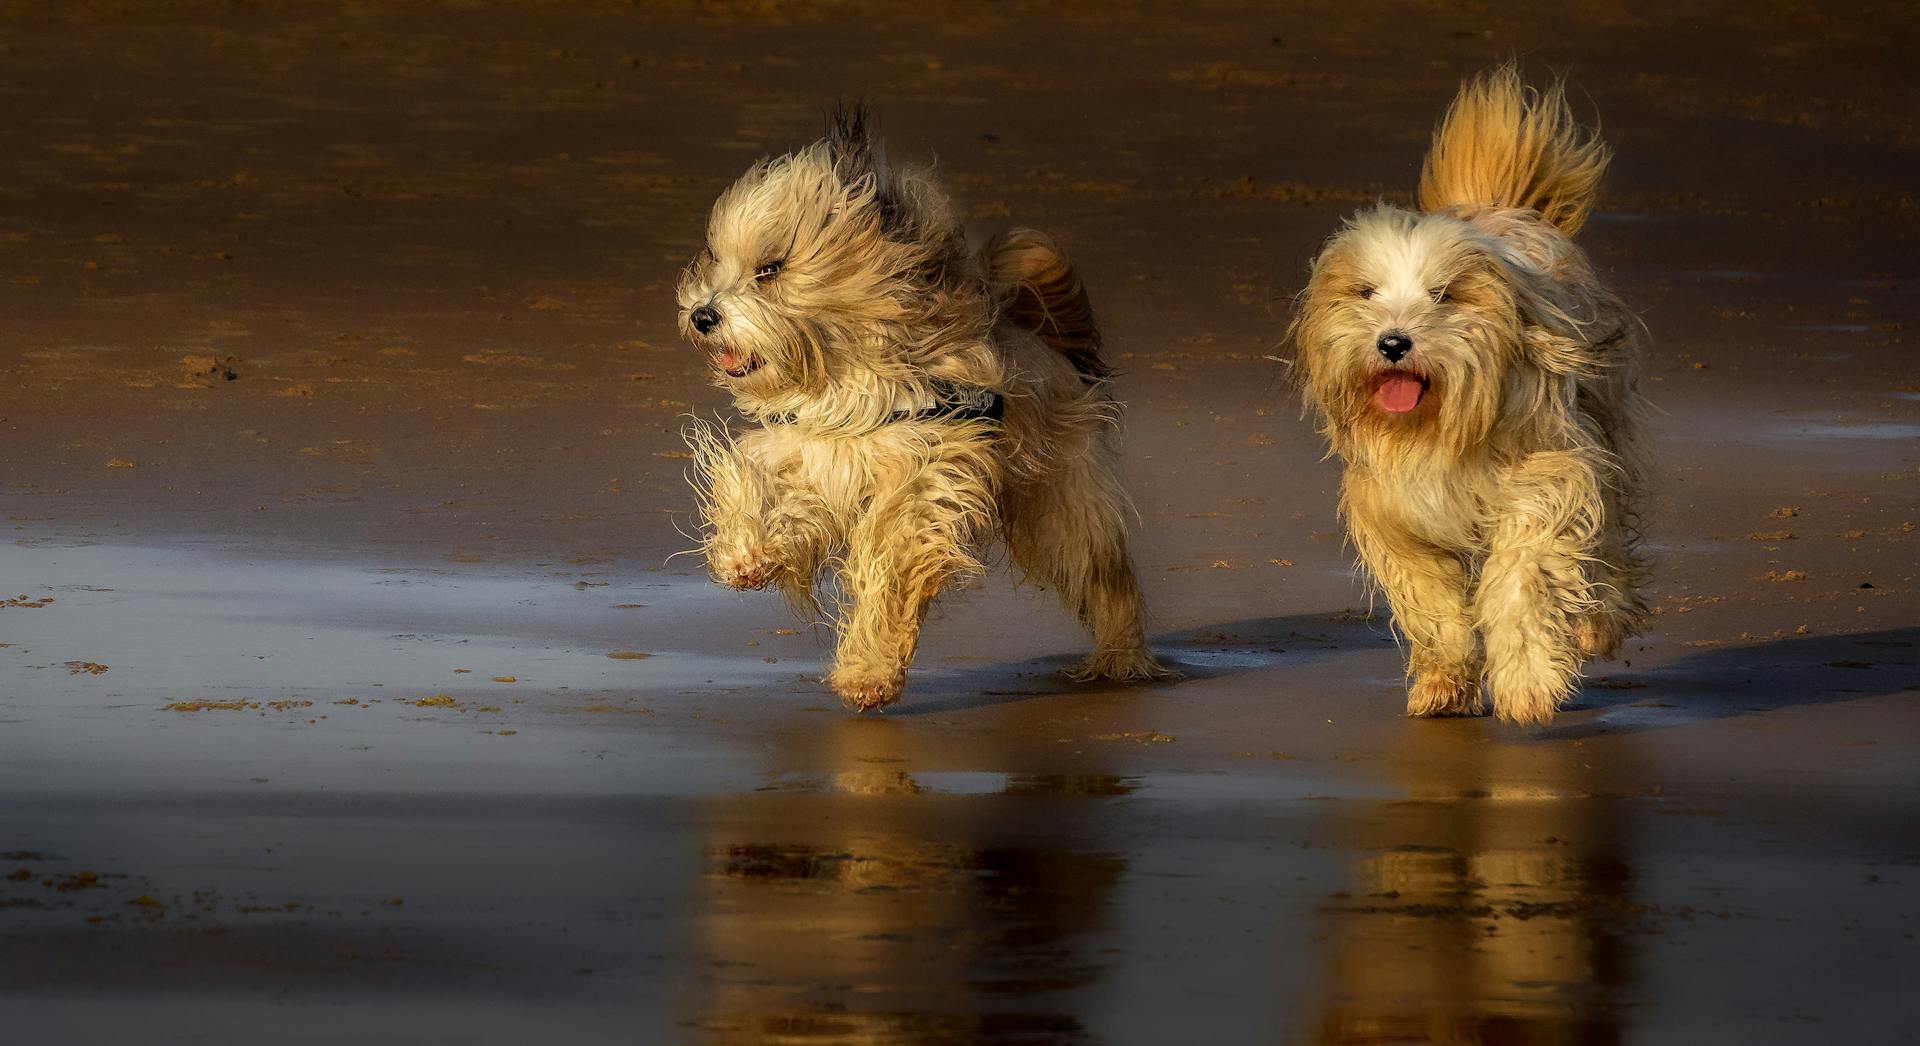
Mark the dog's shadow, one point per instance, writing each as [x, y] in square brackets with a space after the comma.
[1718, 683]
[1724, 682]
[1208, 652]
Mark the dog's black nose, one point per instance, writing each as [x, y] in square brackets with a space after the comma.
[1392, 346]
[706, 318]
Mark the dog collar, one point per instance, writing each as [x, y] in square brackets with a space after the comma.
[950, 402]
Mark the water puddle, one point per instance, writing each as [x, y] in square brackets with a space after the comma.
[1878, 430]
[211, 670]
[187, 623]
[1828, 437]
[1241, 658]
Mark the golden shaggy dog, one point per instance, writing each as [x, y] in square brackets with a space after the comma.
[913, 399]
[1482, 388]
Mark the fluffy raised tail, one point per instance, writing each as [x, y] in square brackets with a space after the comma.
[1504, 144]
[1040, 291]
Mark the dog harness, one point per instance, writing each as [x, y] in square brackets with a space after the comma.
[950, 402]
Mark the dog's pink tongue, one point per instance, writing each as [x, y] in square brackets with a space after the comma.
[1398, 393]
[728, 361]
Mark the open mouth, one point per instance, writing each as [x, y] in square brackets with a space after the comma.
[1399, 391]
[738, 367]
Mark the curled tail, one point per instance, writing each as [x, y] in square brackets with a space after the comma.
[1504, 144]
[1040, 291]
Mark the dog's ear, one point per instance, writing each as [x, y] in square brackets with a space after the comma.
[1557, 342]
[1557, 353]
[856, 155]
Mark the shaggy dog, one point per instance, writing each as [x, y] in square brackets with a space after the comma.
[1482, 388]
[913, 399]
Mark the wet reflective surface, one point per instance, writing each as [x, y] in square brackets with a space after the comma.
[334, 821]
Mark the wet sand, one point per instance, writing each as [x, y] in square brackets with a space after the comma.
[357, 695]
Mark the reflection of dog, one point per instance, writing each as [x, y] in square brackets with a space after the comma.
[1481, 386]
[1509, 922]
[913, 399]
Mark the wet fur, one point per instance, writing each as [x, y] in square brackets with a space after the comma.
[876, 299]
[1498, 516]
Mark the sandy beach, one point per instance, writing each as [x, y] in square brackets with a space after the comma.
[352, 688]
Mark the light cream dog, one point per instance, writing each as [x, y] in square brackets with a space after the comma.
[1482, 387]
[913, 399]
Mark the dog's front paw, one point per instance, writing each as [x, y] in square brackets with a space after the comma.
[1529, 690]
[1126, 666]
[864, 691]
[1529, 706]
[740, 565]
[1443, 694]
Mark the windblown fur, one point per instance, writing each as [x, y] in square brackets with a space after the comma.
[838, 303]
[1481, 386]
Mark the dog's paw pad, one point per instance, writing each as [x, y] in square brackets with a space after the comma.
[742, 580]
[741, 569]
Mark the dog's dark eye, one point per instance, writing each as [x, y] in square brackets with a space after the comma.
[769, 270]
[1365, 292]
[1440, 295]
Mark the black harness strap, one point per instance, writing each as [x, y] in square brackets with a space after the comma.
[955, 402]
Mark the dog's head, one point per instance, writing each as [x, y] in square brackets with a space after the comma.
[814, 263]
[1408, 331]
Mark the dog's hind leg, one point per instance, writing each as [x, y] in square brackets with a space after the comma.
[1068, 532]
[1616, 575]
[1535, 589]
[910, 542]
[1427, 588]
